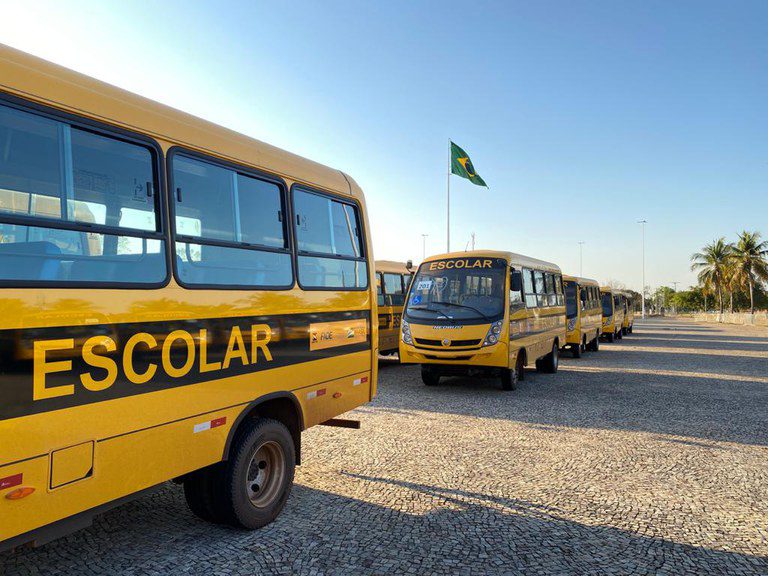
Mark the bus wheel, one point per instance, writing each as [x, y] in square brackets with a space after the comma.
[202, 492]
[619, 334]
[429, 376]
[508, 379]
[576, 350]
[259, 474]
[611, 337]
[594, 346]
[551, 361]
[631, 327]
[520, 366]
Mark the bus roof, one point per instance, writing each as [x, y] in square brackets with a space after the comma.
[392, 266]
[581, 281]
[511, 257]
[36, 79]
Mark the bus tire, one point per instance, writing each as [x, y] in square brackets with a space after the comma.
[520, 365]
[429, 376]
[202, 492]
[594, 346]
[551, 361]
[576, 350]
[508, 379]
[259, 474]
[619, 335]
[611, 337]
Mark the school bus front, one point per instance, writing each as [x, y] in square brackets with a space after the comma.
[460, 318]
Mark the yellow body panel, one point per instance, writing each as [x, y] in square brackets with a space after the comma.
[97, 445]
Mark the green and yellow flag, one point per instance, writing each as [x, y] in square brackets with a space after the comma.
[462, 166]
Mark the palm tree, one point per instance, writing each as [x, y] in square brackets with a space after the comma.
[750, 258]
[712, 263]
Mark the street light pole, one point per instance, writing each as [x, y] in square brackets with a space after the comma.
[581, 258]
[424, 246]
[642, 224]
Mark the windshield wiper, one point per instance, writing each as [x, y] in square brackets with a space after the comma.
[462, 306]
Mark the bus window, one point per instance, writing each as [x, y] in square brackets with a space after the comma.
[529, 288]
[571, 306]
[516, 296]
[87, 182]
[393, 286]
[229, 229]
[329, 241]
[607, 302]
[549, 286]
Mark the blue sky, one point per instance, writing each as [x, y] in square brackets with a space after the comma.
[583, 117]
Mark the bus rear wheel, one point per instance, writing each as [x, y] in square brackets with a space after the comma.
[202, 490]
[551, 361]
[429, 376]
[611, 337]
[594, 346]
[259, 474]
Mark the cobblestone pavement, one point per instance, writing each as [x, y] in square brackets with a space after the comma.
[649, 457]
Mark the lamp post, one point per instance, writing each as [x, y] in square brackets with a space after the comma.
[424, 246]
[581, 258]
[642, 224]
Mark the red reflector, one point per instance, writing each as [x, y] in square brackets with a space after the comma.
[364, 379]
[218, 422]
[11, 481]
[337, 395]
[321, 392]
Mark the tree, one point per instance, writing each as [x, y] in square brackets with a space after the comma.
[689, 300]
[712, 265]
[750, 263]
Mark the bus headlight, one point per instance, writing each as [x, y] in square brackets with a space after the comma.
[406, 332]
[493, 333]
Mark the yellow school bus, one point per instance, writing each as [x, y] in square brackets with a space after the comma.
[392, 282]
[583, 314]
[483, 313]
[613, 313]
[629, 313]
[177, 301]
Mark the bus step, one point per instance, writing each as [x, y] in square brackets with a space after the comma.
[342, 423]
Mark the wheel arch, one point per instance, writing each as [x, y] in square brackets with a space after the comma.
[281, 406]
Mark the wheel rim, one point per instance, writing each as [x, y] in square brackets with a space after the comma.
[266, 471]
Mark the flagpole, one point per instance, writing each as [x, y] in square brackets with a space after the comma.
[448, 207]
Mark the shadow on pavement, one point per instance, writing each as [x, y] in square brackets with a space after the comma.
[319, 532]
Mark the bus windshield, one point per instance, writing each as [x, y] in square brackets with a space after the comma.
[459, 289]
[571, 302]
[607, 301]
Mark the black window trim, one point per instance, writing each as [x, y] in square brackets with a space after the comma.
[109, 131]
[250, 172]
[349, 200]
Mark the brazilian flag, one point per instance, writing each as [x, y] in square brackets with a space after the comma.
[462, 166]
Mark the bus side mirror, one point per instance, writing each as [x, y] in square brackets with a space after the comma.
[409, 265]
[516, 281]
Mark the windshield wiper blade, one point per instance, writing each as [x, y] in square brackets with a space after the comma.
[462, 306]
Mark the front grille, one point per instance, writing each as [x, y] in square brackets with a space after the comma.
[439, 343]
[451, 359]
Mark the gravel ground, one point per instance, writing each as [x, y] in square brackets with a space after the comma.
[649, 457]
